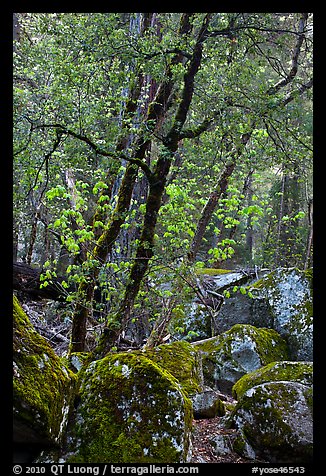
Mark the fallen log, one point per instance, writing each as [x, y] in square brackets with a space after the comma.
[26, 279]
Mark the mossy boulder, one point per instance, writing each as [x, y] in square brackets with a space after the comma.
[43, 387]
[242, 349]
[277, 421]
[128, 410]
[289, 294]
[182, 360]
[301, 372]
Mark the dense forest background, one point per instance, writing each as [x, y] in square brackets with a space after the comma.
[149, 147]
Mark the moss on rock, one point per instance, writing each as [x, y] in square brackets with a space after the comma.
[129, 410]
[289, 293]
[212, 271]
[182, 360]
[43, 386]
[301, 372]
[76, 360]
[276, 420]
[242, 349]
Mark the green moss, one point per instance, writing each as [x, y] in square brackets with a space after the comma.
[42, 386]
[269, 345]
[269, 420]
[217, 410]
[239, 444]
[213, 271]
[243, 348]
[76, 360]
[181, 359]
[301, 372]
[130, 410]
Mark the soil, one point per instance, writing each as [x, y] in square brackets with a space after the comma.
[203, 450]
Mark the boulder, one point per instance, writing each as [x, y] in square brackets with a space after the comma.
[242, 349]
[276, 419]
[301, 372]
[182, 360]
[222, 444]
[43, 387]
[207, 404]
[281, 300]
[230, 442]
[242, 309]
[128, 410]
[289, 294]
[199, 317]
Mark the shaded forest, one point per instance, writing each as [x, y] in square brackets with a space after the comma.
[151, 147]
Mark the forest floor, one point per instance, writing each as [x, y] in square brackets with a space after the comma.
[203, 450]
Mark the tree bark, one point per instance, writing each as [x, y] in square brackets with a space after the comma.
[32, 239]
[308, 257]
[278, 259]
[106, 239]
[209, 209]
[249, 228]
[157, 181]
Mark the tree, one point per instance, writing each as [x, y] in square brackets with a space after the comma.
[124, 121]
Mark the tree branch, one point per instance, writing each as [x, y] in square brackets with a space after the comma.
[293, 94]
[295, 57]
[99, 150]
[46, 162]
[176, 51]
[229, 32]
[172, 138]
[196, 131]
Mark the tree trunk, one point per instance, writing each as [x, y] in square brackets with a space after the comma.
[81, 314]
[32, 239]
[249, 229]
[279, 223]
[157, 181]
[308, 257]
[99, 254]
[105, 240]
[246, 192]
[209, 209]
[15, 241]
[143, 255]
[220, 189]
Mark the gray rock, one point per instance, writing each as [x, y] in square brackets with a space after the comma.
[242, 349]
[230, 442]
[207, 404]
[289, 295]
[222, 444]
[276, 418]
[282, 300]
[241, 309]
[199, 320]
